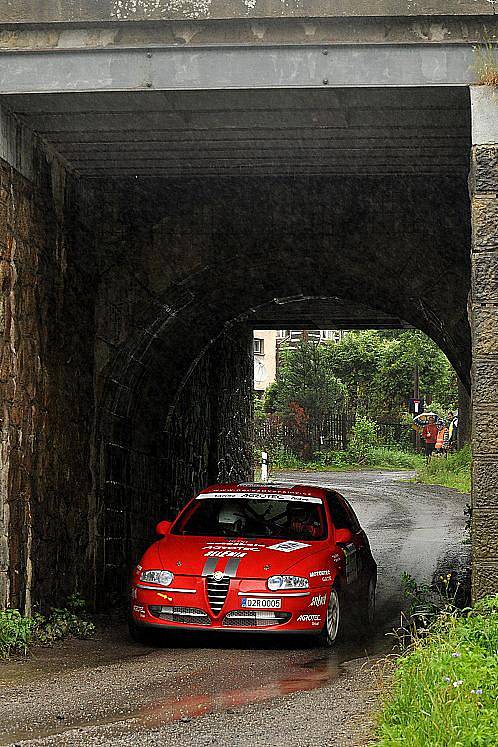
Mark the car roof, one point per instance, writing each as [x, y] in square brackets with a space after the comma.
[267, 487]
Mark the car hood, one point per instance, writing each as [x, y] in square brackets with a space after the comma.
[241, 558]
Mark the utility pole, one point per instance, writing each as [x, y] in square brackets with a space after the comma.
[416, 395]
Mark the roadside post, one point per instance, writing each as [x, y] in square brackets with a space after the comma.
[264, 466]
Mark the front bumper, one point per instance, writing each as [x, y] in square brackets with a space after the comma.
[186, 606]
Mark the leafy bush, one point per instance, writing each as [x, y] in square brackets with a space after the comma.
[282, 459]
[304, 379]
[336, 459]
[259, 407]
[18, 633]
[452, 471]
[363, 440]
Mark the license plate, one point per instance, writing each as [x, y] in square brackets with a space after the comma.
[261, 604]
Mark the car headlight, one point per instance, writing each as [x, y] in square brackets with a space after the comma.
[276, 583]
[163, 578]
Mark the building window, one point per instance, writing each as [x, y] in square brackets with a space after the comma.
[331, 334]
[259, 346]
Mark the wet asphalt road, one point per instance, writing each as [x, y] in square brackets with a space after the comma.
[207, 690]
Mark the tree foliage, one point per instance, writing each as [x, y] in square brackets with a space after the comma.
[305, 379]
[370, 371]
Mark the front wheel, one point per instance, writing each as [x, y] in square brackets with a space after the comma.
[332, 625]
[139, 634]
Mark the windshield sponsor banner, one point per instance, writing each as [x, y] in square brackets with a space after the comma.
[260, 497]
[318, 601]
[288, 546]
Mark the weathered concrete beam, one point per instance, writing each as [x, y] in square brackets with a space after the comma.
[236, 67]
[67, 11]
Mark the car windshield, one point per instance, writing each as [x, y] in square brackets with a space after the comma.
[262, 516]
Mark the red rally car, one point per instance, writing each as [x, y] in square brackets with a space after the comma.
[258, 558]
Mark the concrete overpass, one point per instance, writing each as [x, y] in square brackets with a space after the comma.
[174, 172]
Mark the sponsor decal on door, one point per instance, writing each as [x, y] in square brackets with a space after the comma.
[309, 618]
[318, 601]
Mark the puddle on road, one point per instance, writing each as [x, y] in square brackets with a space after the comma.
[311, 675]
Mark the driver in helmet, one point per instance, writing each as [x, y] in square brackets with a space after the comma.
[303, 520]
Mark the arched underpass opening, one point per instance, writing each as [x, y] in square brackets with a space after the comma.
[176, 410]
[356, 195]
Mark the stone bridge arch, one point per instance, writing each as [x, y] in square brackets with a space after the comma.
[175, 406]
[151, 159]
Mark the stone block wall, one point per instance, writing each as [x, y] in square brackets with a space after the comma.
[46, 383]
[206, 438]
[484, 325]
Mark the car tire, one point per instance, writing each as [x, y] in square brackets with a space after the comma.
[138, 633]
[332, 628]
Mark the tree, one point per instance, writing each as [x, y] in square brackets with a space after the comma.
[371, 371]
[305, 379]
[355, 361]
[395, 375]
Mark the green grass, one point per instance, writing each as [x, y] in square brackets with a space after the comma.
[444, 690]
[452, 471]
[19, 633]
[386, 458]
[379, 457]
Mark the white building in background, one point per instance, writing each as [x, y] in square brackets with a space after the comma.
[265, 358]
[292, 336]
[267, 343]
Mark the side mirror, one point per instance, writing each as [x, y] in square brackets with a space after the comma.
[163, 528]
[343, 536]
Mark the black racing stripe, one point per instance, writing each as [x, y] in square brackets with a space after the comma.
[231, 567]
[209, 566]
